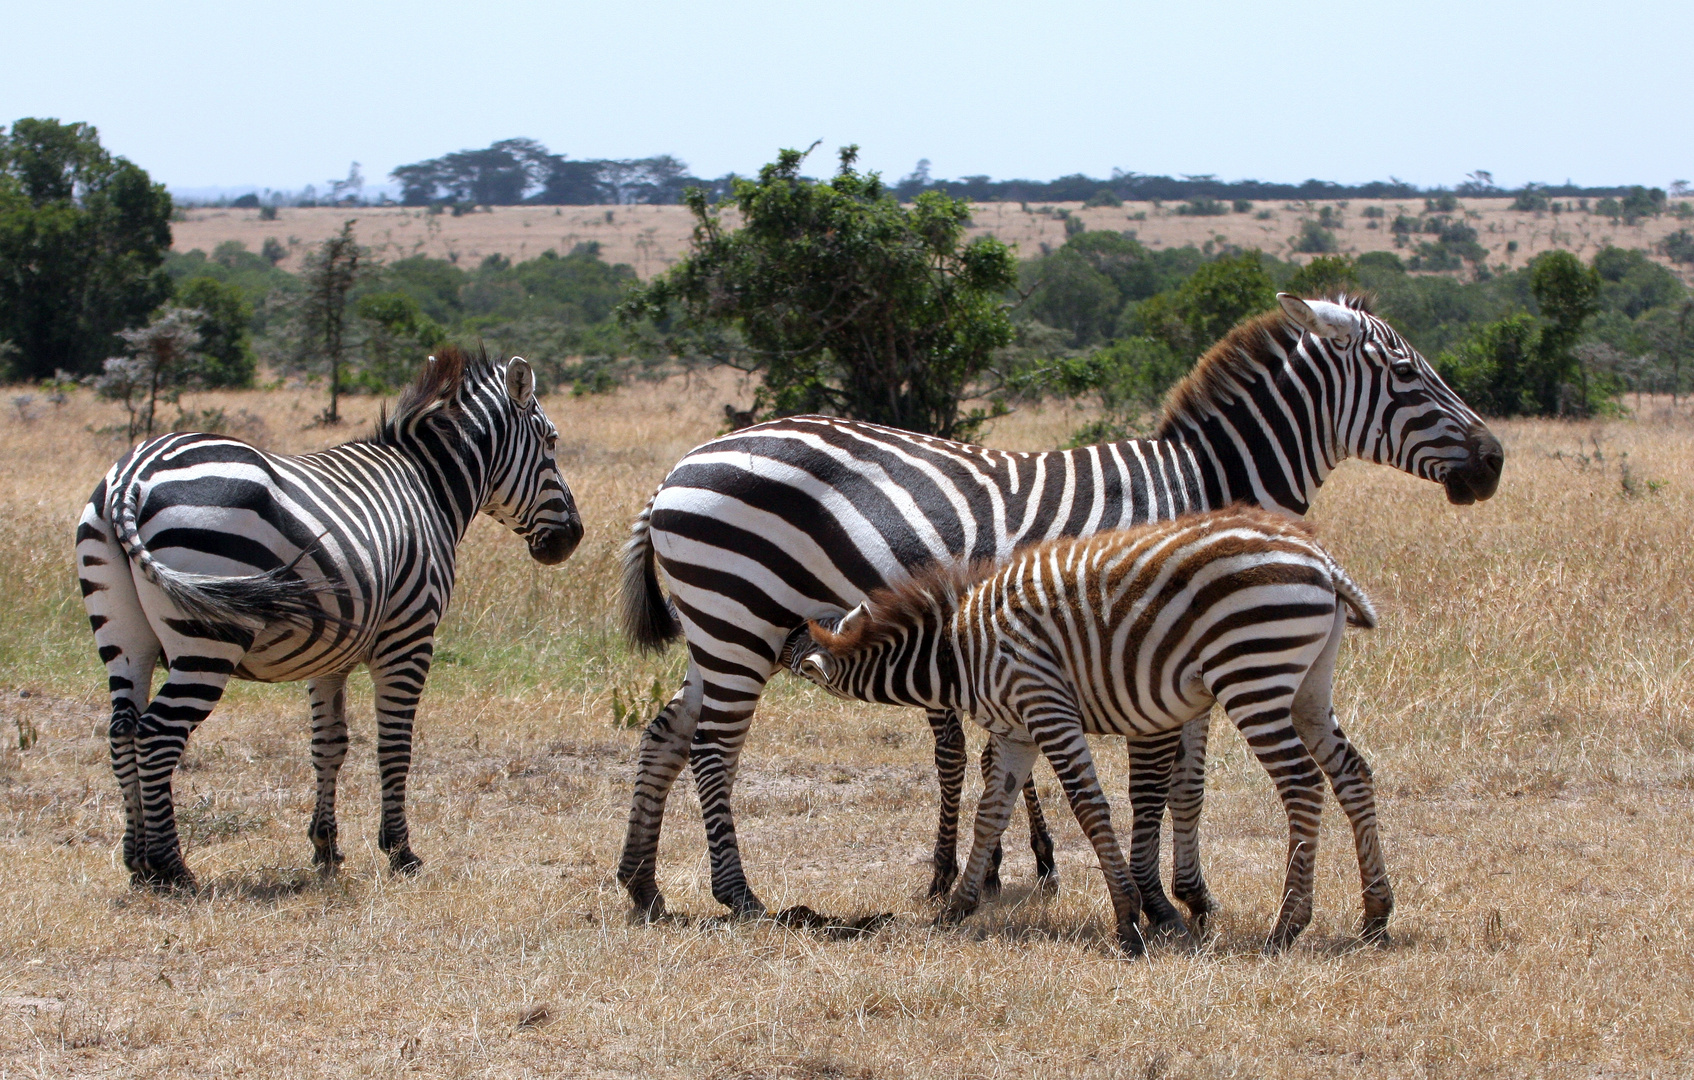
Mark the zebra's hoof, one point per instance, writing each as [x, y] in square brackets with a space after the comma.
[1172, 932]
[1047, 884]
[991, 886]
[1131, 941]
[404, 862]
[941, 883]
[1375, 932]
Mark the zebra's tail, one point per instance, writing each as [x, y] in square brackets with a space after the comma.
[1360, 611]
[649, 620]
[254, 600]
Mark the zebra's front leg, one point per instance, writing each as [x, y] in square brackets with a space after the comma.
[1150, 760]
[1040, 837]
[398, 680]
[950, 777]
[1009, 763]
[328, 696]
[1060, 736]
[1187, 800]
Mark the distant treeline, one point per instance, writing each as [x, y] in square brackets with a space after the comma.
[517, 171]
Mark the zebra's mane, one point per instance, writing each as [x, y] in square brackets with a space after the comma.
[935, 587]
[435, 390]
[1235, 359]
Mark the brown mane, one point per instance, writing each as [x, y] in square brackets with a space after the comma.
[905, 602]
[436, 389]
[1245, 349]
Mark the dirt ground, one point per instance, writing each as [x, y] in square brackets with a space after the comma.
[1527, 706]
[651, 238]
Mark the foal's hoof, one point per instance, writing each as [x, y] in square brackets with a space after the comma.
[648, 908]
[1131, 941]
[991, 885]
[404, 862]
[165, 882]
[1375, 932]
[328, 861]
[941, 883]
[1172, 933]
[1047, 884]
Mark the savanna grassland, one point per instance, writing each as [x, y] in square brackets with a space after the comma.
[652, 238]
[1527, 705]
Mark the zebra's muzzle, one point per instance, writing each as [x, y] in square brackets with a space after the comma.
[553, 546]
[1479, 476]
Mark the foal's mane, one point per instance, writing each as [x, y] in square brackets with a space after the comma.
[1249, 347]
[936, 585]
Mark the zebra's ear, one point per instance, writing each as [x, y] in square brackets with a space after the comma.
[851, 619]
[1320, 318]
[520, 381]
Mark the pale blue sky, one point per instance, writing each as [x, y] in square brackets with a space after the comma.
[280, 95]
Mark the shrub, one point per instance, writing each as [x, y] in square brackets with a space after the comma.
[1442, 204]
[1104, 197]
[1324, 276]
[1679, 245]
[1202, 207]
[1529, 199]
[1314, 239]
[1242, 206]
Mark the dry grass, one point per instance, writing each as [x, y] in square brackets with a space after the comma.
[651, 238]
[1526, 707]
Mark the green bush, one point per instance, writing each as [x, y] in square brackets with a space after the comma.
[1104, 197]
[1202, 207]
[1242, 206]
[1325, 277]
[226, 351]
[1194, 315]
[1529, 199]
[1679, 245]
[1314, 239]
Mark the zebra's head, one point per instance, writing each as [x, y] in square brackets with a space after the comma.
[526, 491]
[835, 657]
[1393, 408]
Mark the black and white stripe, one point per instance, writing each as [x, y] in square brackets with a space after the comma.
[1129, 633]
[225, 561]
[758, 531]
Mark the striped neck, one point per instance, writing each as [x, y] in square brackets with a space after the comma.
[452, 446]
[1288, 390]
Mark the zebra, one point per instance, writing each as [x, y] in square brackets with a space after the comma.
[1131, 632]
[231, 562]
[762, 529]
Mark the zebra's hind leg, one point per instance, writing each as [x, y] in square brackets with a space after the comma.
[1059, 734]
[1150, 760]
[130, 650]
[399, 681]
[1009, 764]
[1187, 800]
[328, 696]
[664, 752]
[950, 777]
[1350, 778]
[726, 712]
[194, 683]
[1040, 837]
[1266, 726]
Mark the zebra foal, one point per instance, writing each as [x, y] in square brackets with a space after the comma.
[230, 562]
[1128, 633]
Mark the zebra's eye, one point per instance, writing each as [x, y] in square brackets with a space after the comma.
[552, 441]
[1403, 369]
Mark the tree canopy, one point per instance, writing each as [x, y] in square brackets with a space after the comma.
[83, 236]
[843, 299]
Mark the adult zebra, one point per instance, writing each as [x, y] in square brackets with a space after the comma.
[1128, 633]
[231, 562]
[763, 529]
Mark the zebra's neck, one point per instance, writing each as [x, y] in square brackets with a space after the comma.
[1265, 432]
[454, 457]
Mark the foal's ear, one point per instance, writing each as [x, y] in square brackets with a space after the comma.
[520, 381]
[1320, 318]
[852, 619]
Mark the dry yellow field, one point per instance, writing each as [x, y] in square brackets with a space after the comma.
[651, 238]
[1527, 705]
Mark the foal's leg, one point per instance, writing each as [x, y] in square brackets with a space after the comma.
[1150, 760]
[1040, 837]
[1350, 777]
[1187, 799]
[1059, 734]
[328, 696]
[1009, 766]
[950, 777]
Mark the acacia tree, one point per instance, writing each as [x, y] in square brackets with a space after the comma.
[842, 299]
[330, 273]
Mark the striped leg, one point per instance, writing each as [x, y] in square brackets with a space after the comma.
[664, 752]
[1009, 767]
[1264, 722]
[726, 712]
[1187, 799]
[194, 683]
[1061, 739]
[398, 678]
[1350, 777]
[1150, 761]
[329, 749]
[1040, 838]
[950, 776]
[130, 650]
